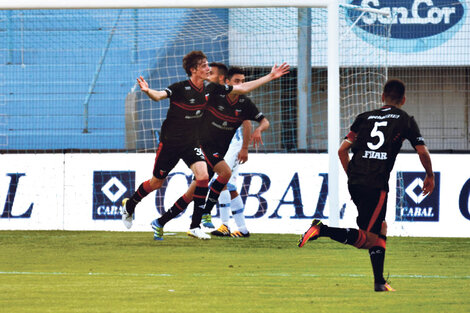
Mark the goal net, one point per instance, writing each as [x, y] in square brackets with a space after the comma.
[68, 78]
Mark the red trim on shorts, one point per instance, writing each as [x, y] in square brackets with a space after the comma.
[207, 160]
[377, 210]
[160, 147]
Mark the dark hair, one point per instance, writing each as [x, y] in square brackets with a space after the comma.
[234, 70]
[192, 60]
[222, 68]
[394, 91]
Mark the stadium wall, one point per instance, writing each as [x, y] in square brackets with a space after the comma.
[84, 192]
[65, 74]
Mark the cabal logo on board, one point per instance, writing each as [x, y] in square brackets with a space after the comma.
[408, 23]
[412, 205]
[109, 188]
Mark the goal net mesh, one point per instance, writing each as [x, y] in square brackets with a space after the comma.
[68, 79]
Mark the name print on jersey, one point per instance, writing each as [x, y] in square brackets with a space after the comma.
[375, 155]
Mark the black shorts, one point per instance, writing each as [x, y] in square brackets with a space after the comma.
[213, 154]
[168, 156]
[371, 206]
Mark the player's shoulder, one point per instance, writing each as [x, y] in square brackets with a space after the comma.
[180, 85]
[214, 87]
[244, 99]
[385, 112]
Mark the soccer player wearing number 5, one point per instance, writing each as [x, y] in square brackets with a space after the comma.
[375, 140]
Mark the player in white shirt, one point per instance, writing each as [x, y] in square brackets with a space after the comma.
[229, 200]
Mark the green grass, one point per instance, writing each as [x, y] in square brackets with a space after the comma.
[58, 271]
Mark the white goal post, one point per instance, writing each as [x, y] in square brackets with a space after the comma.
[333, 63]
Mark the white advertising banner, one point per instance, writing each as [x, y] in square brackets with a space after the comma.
[282, 192]
[414, 32]
[32, 191]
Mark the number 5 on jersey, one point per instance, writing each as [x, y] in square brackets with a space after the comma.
[377, 133]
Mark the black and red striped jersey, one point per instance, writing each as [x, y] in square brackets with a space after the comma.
[187, 105]
[378, 136]
[223, 117]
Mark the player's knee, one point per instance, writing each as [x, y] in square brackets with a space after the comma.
[155, 183]
[366, 240]
[201, 176]
[224, 174]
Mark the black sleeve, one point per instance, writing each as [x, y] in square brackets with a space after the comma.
[253, 113]
[217, 88]
[356, 125]
[413, 134]
[173, 89]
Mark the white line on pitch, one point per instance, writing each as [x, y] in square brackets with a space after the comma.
[239, 274]
[86, 274]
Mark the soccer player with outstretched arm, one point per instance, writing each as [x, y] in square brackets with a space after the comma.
[224, 114]
[375, 139]
[179, 138]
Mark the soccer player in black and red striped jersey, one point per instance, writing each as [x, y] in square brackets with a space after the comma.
[179, 131]
[375, 139]
[224, 114]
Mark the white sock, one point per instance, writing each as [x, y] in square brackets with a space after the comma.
[224, 207]
[238, 215]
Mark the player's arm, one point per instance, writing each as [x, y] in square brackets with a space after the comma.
[155, 95]
[276, 72]
[425, 158]
[256, 136]
[343, 153]
[417, 141]
[246, 132]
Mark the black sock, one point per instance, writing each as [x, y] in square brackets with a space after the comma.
[199, 199]
[377, 258]
[137, 197]
[215, 190]
[179, 206]
[344, 235]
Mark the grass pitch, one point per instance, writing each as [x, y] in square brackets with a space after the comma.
[62, 271]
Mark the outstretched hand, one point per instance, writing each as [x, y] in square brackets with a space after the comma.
[144, 86]
[278, 71]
